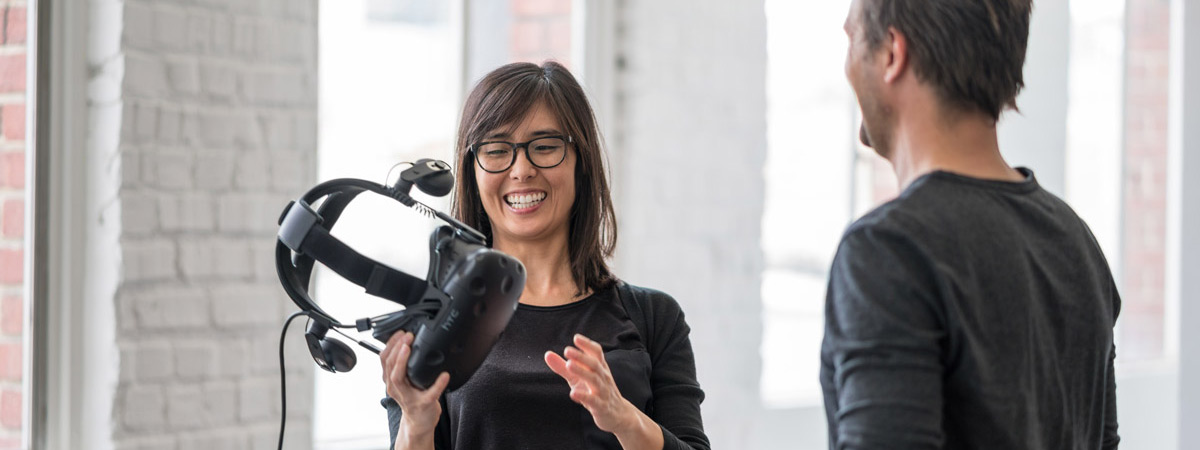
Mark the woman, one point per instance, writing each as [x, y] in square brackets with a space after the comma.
[530, 176]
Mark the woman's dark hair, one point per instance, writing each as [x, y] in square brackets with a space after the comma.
[971, 51]
[502, 98]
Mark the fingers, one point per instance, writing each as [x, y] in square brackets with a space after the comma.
[558, 365]
[589, 346]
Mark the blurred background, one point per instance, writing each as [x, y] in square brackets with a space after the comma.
[148, 147]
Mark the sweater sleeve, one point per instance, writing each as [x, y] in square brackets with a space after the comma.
[441, 438]
[883, 370]
[677, 394]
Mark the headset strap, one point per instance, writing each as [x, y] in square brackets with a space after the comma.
[306, 232]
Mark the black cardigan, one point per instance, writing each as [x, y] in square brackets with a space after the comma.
[676, 395]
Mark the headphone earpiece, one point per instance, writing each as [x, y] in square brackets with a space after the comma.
[431, 176]
[329, 353]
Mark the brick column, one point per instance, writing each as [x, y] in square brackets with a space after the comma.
[540, 30]
[1145, 180]
[12, 217]
[217, 131]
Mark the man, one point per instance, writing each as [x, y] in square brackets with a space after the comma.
[976, 310]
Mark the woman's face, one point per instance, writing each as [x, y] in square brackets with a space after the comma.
[526, 202]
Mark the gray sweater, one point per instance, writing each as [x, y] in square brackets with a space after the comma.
[970, 314]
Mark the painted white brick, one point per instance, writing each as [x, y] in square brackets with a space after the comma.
[126, 120]
[145, 77]
[277, 130]
[214, 171]
[199, 31]
[235, 359]
[227, 128]
[237, 262]
[170, 170]
[223, 439]
[171, 307]
[131, 169]
[290, 175]
[276, 87]
[245, 32]
[144, 408]
[198, 259]
[258, 398]
[221, 402]
[183, 75]
[152, 361]
[145, 123]
[187, 212]
[253, 172]
[263, 253]
[300, 400]
[265, 350]
[148, 260]
[201, 157]
[305, 11]
[249, 213]
[138, 25]
[219, 80]
[170, 29]
[169, 123]
[156, 442]
[195, 359]
[222, 34]
[185, 406]
[306, 132]
[242, 305]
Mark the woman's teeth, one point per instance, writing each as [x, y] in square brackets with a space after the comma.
[522, 201]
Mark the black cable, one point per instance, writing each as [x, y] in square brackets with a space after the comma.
[283, 375]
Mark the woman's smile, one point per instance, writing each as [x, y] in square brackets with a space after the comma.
[524, 201]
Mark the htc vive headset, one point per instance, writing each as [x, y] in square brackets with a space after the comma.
[456, 313]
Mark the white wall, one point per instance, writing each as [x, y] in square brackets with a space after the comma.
[689, 144]
[203, 122]
[1183, 239]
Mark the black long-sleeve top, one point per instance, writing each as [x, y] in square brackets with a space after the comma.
[514, 401]
[970, 314]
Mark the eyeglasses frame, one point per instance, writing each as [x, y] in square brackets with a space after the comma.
[516, 147]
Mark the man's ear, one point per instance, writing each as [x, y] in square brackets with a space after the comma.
[896, 45]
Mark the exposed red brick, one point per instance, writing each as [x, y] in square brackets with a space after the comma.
[1144, 240]
[12, 170]
[528, 37]
[526, 8]
[10, 361]
[10, 408]
[11, 318]
[13, 216]
[12, 73]
[15, 25]
[10, 443]
[12, 120]
[12, 266]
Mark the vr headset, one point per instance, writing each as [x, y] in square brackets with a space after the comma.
[456, 313]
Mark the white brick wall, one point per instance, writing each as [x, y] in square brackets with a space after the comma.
[691, 86]
[216, 116]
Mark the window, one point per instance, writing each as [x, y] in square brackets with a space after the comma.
[393, 75]
[810, 183]
[389, 92]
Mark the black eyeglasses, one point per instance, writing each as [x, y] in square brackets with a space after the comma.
[544, 152]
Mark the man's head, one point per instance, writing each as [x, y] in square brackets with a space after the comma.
[968, 54]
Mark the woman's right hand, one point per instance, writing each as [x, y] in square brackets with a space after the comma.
[420, 409]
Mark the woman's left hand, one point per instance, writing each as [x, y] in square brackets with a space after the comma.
[592, 385]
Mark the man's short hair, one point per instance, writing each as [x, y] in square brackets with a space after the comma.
[971, 51]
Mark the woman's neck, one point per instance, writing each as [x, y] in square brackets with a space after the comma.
[548, 277]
